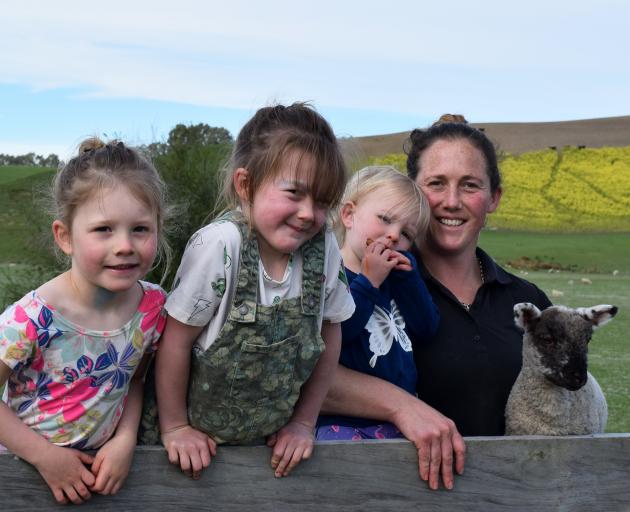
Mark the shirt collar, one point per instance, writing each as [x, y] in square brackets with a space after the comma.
[492, 271]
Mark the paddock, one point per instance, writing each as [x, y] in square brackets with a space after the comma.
[576, 473]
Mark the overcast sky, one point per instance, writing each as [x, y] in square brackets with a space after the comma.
[133, 69]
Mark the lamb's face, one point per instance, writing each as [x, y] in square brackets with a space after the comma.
[559, 338]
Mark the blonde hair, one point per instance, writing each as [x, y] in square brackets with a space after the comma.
[102, 165]
[386, 178]
[271, 136]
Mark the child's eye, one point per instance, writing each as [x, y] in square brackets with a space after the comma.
[385, 219]
[408, 235]
[102, 229]
[141, 229]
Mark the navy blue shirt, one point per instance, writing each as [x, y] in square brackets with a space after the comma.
[467, 370]
[386, 323]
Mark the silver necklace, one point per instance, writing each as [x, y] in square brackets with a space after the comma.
[466, 305]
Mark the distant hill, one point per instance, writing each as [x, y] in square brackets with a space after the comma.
[514, 138]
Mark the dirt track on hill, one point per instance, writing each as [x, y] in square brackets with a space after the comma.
[514, 138]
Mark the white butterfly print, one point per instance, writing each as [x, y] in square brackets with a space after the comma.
[384, 328]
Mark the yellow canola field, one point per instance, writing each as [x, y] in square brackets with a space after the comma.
[567, 190]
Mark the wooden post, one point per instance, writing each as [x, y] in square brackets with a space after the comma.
[502, 473]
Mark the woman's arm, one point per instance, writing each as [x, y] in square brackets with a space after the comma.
[186, 446]
[294, 441]
[434, 435]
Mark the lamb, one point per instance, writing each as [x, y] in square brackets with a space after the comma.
[554, 394]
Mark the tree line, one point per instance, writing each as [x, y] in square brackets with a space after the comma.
[180, 137]
[30, 159]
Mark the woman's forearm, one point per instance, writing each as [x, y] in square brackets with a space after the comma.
[360, 395]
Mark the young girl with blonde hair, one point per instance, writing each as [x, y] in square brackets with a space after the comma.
[382, 214]
[253, 331]
[72, 352]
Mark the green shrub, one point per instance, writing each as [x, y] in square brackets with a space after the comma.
[194, 180]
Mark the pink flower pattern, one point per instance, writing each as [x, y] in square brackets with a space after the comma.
[68, 399]
[61, 371]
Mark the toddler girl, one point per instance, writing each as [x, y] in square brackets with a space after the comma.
[72, 351]
[256, 300]
[382, 214]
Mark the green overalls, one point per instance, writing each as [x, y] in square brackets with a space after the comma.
[245, 385]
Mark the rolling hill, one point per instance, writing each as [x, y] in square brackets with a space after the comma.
[513, 138]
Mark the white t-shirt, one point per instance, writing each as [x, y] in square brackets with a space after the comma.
[206, 282]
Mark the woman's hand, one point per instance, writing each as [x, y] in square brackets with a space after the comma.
[291, 444]
[190, 448]
[65, 472]
[434, 435]
[436, 438]
[112, 463]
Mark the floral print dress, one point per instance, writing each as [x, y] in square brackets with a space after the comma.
[69, 383]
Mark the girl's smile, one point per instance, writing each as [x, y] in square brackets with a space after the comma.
[112, 241]
[284, 213]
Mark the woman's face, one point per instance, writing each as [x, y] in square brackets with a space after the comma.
[454, 180]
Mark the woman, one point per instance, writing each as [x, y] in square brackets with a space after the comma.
[466, 372]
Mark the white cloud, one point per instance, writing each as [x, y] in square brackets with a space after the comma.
[404, 56]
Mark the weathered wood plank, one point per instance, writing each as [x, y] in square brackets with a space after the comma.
[583, 473]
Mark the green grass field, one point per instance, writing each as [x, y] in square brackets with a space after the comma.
[9, 173]
[23, 227]
[592, 252]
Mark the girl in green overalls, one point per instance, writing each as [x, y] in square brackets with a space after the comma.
[253, 331]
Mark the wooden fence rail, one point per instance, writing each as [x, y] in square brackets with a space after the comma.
[588, 473]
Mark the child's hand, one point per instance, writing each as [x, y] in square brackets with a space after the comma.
[111, 464]
[404, 263]
[189, 448]
[65, 472]
[379, 259]
[291, 444]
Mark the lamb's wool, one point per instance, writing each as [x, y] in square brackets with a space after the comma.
[554, 394]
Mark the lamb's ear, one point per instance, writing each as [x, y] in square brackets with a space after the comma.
[525, 315]
[598, 315]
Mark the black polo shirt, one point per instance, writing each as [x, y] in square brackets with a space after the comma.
[467, 370]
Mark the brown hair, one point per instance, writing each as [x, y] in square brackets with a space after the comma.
[451, 127]
[268, 138]
[101, 165]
